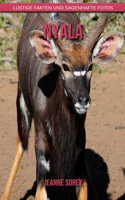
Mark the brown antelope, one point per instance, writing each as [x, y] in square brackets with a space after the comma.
[53, 89]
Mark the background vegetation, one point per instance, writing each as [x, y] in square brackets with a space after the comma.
[11, 24]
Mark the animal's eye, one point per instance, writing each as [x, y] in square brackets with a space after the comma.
[90, 67]
[65, 67]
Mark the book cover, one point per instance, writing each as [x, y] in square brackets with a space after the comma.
[64, 63]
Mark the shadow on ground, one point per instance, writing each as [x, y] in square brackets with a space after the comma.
[99, 173]
[123, 196]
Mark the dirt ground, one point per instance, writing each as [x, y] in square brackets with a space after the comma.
[105, 130]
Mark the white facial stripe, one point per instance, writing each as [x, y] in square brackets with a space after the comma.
[76, 73]
[45, 163]
[83, 73]
[79, 73]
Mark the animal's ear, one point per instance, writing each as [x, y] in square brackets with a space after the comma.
[45, 49]
[108, 47]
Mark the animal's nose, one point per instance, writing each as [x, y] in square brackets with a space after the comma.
[83, 99]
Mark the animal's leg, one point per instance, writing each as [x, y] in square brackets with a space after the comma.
[83, 191]
[24, 125]
[87, 190]
[91, 190]
[42, 168]
[41, 193]
[14, 168]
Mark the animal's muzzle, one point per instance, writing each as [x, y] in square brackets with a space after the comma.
[82, 104]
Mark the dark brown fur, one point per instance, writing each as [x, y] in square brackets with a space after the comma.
[43, 90]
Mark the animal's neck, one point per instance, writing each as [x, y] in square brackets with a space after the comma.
[67, 131]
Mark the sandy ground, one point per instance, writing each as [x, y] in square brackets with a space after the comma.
[105, 128]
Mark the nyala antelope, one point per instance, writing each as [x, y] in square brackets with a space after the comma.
[53, 89]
